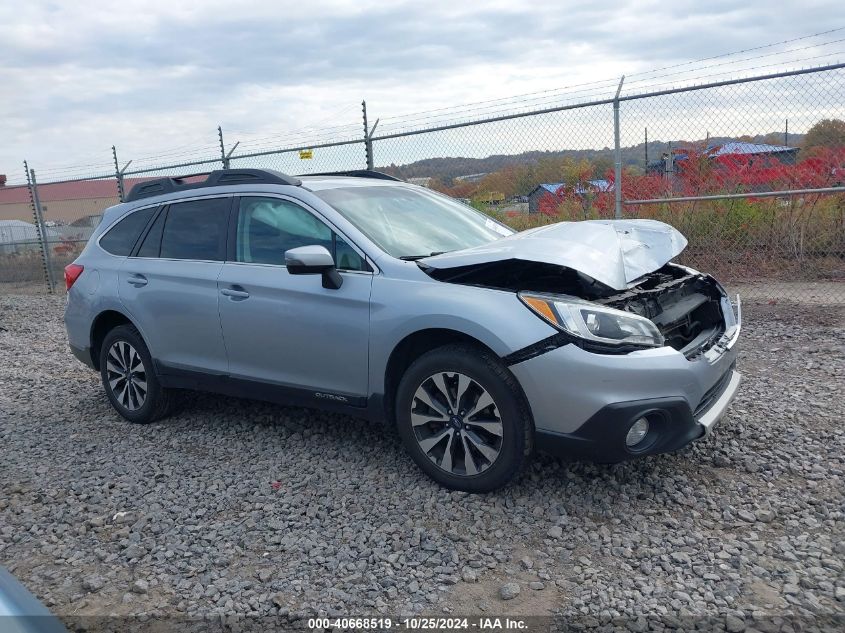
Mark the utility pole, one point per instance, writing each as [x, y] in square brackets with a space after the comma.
[645, 169]
[786, 134]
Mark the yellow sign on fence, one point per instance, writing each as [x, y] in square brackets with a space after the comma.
[306, 154]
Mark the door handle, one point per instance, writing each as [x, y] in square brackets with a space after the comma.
[234, 293]
[137, 280]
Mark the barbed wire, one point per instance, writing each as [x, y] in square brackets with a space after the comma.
[538, 103]
[584, 92]
[614, 80]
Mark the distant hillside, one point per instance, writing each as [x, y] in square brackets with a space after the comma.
[447, 168]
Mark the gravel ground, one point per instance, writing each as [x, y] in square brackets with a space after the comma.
[239, 507]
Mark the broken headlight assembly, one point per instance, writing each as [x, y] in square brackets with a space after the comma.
[594, 323]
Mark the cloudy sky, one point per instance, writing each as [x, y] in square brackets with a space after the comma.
[156, 78]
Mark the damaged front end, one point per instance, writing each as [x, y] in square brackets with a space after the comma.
[679, 307]
[685, 305]
[643, 355]
[606, 286]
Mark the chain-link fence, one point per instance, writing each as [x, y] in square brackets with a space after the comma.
[752, 171]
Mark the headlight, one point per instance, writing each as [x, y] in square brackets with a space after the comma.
[593, 322]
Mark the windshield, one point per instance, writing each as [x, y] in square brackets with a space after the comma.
[413, 223]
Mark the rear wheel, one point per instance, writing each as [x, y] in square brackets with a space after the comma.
[463, 418]
[129, 379]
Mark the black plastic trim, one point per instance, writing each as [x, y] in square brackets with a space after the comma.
[376, 410]
[565, 338]
[602, 437]
[715, 392]
[83, 355]
[176, 378]
[217, 178]
[537, 349]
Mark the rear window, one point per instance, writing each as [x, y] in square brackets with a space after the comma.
[120, 239]
[196, 230]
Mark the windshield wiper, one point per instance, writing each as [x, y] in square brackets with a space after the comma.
[413, 258]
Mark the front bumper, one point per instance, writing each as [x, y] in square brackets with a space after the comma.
[584, 403]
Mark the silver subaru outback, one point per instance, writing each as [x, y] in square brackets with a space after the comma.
[363, 294]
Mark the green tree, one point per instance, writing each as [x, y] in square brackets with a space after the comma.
[826, 133]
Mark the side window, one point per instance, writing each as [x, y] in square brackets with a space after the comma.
[120, 238]
[196, 230]
[152, 241]
[346, 257]
[267, 227]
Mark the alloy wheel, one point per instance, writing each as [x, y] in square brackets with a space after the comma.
[456, 423]
[127, 376]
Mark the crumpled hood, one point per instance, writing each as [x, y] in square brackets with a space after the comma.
[613, 252]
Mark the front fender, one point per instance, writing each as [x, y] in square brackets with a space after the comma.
[400, 307]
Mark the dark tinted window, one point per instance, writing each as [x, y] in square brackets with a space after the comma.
[152, 241]
[120, 239]
[195, 230]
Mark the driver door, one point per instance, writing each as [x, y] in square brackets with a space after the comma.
[287, 330]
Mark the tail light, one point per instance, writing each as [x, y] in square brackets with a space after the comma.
[72, 272]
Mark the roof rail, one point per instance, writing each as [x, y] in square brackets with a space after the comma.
[216, 178]
[359, 173]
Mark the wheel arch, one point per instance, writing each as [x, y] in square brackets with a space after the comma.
[104, 323]
[411, 347]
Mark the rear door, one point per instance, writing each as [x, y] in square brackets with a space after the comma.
[287, 330]
[169, 285]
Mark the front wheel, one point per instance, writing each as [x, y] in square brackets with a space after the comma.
[463, 418]
[129, 379]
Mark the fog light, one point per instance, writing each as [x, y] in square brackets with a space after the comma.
[637, 433]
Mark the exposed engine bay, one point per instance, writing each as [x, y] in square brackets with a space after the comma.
[685, 307]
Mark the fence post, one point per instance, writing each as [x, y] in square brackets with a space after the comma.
[668, 169]
[118, 174]
[368, 141]
[222, 148]
[617, 162]
[38, 216]
[224, 156]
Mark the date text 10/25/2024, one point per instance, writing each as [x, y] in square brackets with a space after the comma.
[420, 624]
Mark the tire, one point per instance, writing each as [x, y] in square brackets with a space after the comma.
[493, 421]
[124, 348]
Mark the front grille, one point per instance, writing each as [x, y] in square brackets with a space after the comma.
[712, 394]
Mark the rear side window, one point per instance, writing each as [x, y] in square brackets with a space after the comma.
[152, 242]
[196, 230]
[120, 239]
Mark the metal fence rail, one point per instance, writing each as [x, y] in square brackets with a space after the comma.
[752, 170]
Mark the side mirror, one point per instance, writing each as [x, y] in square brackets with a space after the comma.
[314, 260]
